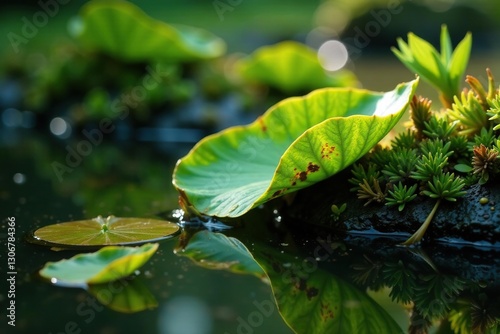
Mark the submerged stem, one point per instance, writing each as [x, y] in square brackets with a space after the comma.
[417, 236]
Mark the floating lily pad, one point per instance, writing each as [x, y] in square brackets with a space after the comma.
[108, 264]
[295, 144]
[104, 232]
[121, 29]
[291, 67]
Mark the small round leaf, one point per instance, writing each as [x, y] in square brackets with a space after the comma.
[104, 232]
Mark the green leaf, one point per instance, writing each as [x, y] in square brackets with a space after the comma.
[108, 264]
[126, 296]
[296, 143]
[216, 251]
[122, 30]
[443, 70]
[103, 232]
[290, 67]
[423, 51]
[446, 47]
[314, 301]
[463, 168]
[459, 61]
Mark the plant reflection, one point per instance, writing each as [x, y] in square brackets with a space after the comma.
[324, 287]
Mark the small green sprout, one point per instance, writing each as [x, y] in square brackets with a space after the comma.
[435, 146]
[494, 111]
[336, 211]
[401, 195]
[400, 165]
[439, 128]
[429, 166]
[485, 137]
[445, 186]
[444, 69]
[469, 112]
[361, 173]
[405, 140]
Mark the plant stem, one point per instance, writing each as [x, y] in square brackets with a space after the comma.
[417, 236]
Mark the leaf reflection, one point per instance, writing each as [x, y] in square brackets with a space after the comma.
[325, 290]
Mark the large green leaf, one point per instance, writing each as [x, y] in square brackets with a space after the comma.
[296, 143]
[290, 67]
[103, 232]
[216, 251]
[123, 30]
[312, 300]
[106, 265]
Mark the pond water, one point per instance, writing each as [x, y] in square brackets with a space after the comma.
[322, 282]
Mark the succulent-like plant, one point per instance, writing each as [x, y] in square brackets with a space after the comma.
[468, 111]
[401, 195]
[440, 128]
[401, 163]
[370, 190]
[485, 162]
[429, 166]
[361, 173]
[420, 113]
[443, 186]
[405, 140]
[494, 111]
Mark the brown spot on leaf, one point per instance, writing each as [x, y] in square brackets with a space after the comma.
[277, 193]
[311, 168]
[312, 292]
[263, 126]
[302, 176]
[326, 151]
[325, 312]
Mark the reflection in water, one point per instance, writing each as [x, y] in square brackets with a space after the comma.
[326, 284]
[185, 315]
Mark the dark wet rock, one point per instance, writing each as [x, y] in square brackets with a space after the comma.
[463, 221]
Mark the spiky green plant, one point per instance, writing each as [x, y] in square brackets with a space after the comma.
[401, 195]
[370, 191]
[494, 111]
[401, 163]
[443, 186]
[485, 163]
[429, 166]
[420, 113]
[468, 111]
[439, 128]
[360, 173]
[405, 140]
